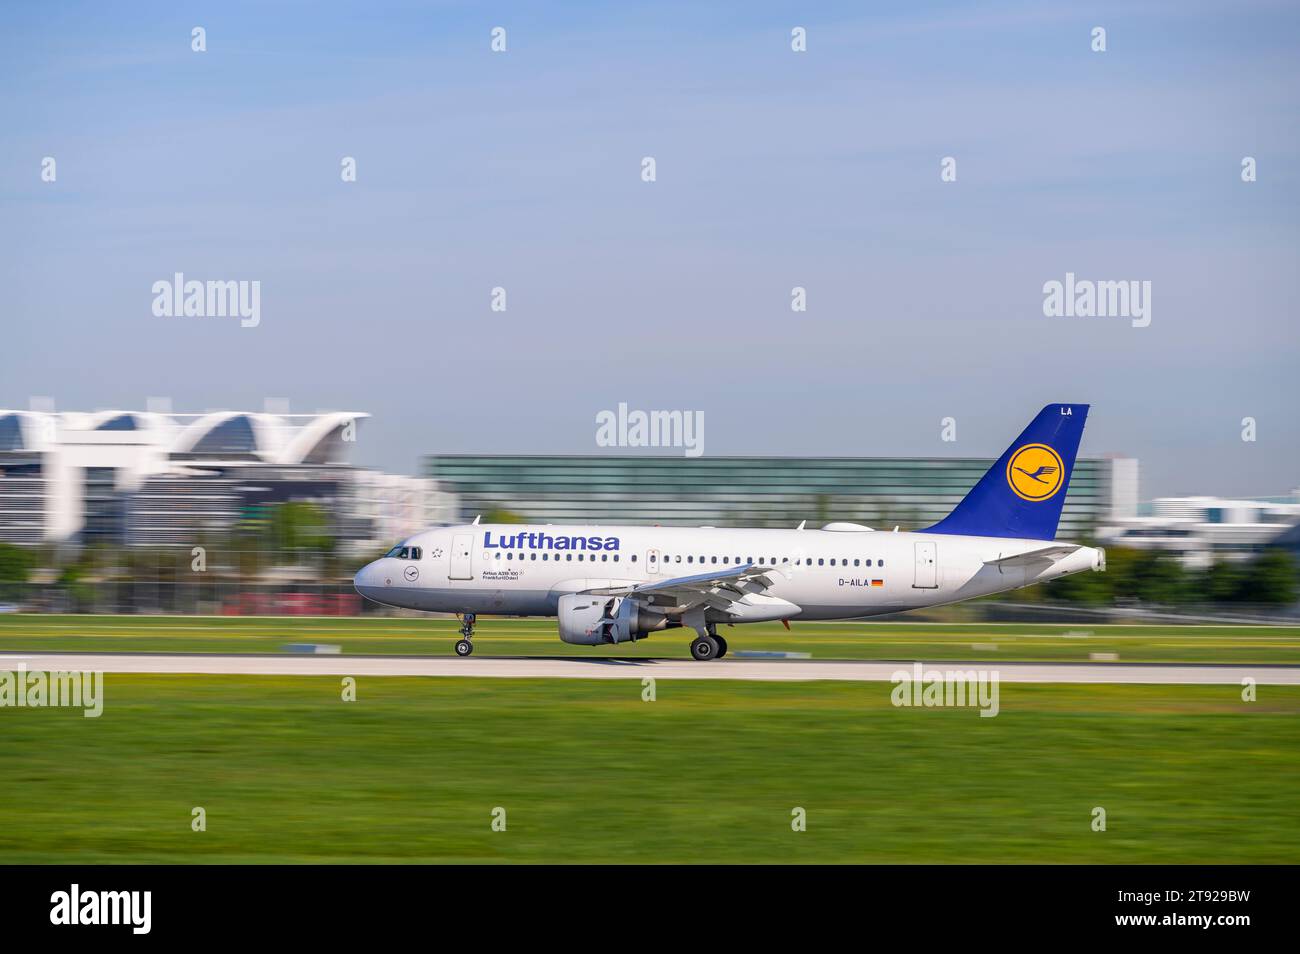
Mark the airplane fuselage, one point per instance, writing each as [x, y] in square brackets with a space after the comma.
[848, 573]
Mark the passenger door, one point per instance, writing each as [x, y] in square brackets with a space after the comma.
[927, 567]
[462, 549]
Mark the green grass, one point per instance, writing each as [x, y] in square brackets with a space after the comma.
[588, 772]
[510, 637]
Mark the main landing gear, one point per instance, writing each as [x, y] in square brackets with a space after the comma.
[708, 644]
[464, 645]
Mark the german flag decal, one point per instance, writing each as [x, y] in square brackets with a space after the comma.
[877, 582]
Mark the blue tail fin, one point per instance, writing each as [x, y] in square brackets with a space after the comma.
[1021, 495]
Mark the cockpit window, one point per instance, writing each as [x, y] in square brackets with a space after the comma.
[400, 552]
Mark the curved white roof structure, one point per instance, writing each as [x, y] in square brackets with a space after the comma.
[27, 430]
[322, 438]
[234, 434]
[156, 478]
[272, 438]
[138, 422]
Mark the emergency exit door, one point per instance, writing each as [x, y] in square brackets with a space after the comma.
[927, 567]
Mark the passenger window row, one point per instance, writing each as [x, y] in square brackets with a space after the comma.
[417, 553]
[774, 561]
[604, 557]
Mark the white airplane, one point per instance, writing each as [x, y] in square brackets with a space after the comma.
[617, 584]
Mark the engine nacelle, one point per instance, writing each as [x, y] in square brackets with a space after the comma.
[587, 620]
[582, 619]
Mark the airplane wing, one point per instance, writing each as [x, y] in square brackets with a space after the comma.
[1048, 554]
[717, 590]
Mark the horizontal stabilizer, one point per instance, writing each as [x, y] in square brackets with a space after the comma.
[1041, 555]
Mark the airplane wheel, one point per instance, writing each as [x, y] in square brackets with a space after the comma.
[464, 647]
[704, 648]
[722, 646]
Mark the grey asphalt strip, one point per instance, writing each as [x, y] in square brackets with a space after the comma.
[605, 668]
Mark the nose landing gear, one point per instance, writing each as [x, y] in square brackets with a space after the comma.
[464, 645]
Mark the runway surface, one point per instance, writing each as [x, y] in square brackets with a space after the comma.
[537, 667]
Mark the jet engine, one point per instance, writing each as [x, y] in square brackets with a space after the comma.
[587, 620]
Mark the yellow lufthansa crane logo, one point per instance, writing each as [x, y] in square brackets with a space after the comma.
[1035, 472]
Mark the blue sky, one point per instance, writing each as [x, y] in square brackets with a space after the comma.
[775, 169]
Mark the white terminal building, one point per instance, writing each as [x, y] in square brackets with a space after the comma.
[1201, 531]
[149, 479]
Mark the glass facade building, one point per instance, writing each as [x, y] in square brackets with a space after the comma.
[739, 491]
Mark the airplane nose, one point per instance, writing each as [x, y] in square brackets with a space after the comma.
[367, 581]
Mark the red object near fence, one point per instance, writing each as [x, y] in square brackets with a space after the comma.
[292, 604]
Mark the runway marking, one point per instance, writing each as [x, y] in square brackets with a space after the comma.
[635, 668]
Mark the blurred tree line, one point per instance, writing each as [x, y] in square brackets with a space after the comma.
[1151, 576]
[293, 533]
